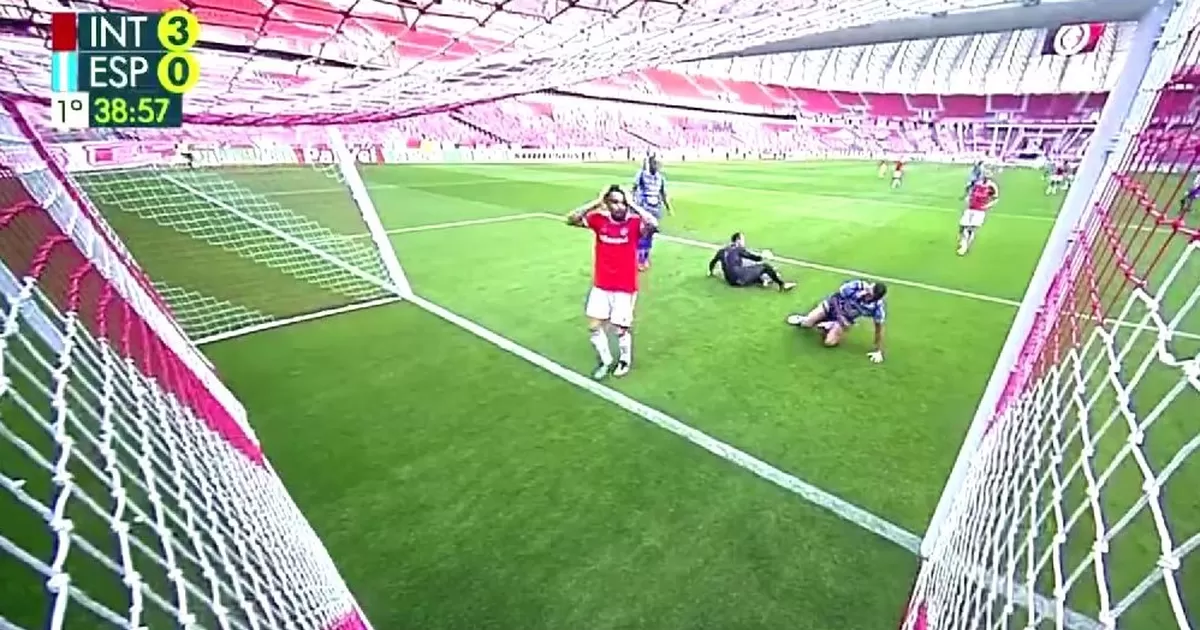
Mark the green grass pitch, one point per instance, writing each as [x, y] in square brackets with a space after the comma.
[458, 487]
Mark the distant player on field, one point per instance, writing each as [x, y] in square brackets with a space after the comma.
[1047, 169]
[1189, 198]
[189, 156]
[974, 176]
[650, 192]
[617, 225]
[897, 174]
[837, 313]
[732, 259]
[982, 197]
[883, 168]
[1058, 177]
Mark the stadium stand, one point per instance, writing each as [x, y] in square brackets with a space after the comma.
[895, 98]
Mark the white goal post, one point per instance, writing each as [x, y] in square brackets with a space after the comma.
[1073, 501]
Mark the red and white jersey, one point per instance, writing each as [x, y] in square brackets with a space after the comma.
[983, 193]
[615, 265]
[899, 167]
[1060, 170]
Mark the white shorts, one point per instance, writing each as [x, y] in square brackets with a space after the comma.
[972, 218]
[615, 307]
[1056, 179]
[897, 174]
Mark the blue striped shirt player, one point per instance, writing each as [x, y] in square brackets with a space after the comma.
[650, 193]
[975, 175]
[838, 312]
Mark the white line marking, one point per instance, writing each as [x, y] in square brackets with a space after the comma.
[308, 317]
[455, 224]
[831, 269]
[970, 295]
[326, 190]
[812, 494]
[469, 182]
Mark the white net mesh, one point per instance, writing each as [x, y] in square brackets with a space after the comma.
[220, 229]
[1079, 506]
[132, 496]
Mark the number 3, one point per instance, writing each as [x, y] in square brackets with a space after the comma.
[100, 113]
[178, 30]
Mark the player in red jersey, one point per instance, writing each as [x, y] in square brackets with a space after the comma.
[1058, 177]
[897, 173]
[618, 226]
[982, 197]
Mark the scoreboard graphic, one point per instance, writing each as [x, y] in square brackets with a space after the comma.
[111, 70]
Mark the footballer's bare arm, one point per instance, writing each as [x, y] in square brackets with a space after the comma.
[578, 218]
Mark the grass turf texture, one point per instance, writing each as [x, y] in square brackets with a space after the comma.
[458, 487]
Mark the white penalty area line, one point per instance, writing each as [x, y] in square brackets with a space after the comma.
[895, 281]
[741, 459]
[298, 319]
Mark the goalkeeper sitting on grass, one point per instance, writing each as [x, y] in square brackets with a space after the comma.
[836, 313]
[740, 273]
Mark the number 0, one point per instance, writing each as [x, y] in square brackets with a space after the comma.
[178, 72]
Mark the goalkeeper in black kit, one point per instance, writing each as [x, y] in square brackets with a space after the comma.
[744, 268]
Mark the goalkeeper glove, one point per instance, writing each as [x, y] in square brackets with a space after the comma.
[768, 254]
[876, 356]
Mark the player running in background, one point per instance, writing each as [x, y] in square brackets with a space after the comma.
[837, 313]
[883, 168]
[1057, 178]
[738, 273]
[617, 226]
[1189, 198]
[650, 192]
[982, 197]
[897, 174]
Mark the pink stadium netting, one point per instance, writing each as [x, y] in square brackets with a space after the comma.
[358, 60]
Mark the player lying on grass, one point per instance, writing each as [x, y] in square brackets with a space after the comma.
[744, 268]
[650, 192]
[837, 313]
[617, 225]
[980, 199]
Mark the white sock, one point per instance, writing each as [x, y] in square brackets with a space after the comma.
[625, 345]
[600, 343]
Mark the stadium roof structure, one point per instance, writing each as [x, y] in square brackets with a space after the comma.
[321, 61]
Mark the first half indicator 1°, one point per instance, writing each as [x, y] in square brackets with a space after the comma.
[105, 64]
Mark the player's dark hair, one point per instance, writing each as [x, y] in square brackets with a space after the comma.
[879, 290]
[735, 237]
[615, 188]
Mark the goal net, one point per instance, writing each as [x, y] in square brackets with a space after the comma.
[133, 491]
[1077, 506]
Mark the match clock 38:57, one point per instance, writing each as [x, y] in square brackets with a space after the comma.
[133, 110]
